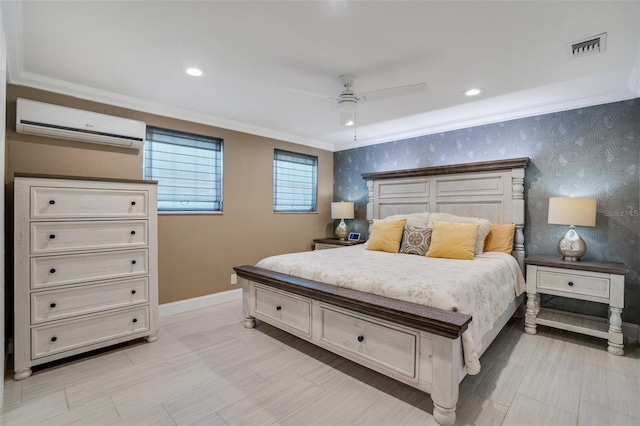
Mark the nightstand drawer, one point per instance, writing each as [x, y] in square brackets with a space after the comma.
[320, 246]
[575, 282]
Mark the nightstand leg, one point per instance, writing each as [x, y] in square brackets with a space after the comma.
[616, 342]
[530, 315]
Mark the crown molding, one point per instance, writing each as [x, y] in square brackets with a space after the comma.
[101, 96]
[470, 115]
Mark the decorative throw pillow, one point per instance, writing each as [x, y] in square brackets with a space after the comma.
[386, 235]
[453, 240]
[483, 229]
[419, 220]
[500, 238]
[415, 240]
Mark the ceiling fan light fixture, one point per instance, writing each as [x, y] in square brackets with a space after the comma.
[348, 105]
[347, 118]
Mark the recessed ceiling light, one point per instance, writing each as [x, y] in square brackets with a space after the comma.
[473, 92]
[195, 72]
[349, 123]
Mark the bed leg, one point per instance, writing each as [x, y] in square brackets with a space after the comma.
[249, 321]
[444, 416]
[447, 359]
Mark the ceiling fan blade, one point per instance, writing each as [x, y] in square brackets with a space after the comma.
[391, 92]
[307, 93]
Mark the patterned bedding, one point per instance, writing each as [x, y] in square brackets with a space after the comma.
[483, 287]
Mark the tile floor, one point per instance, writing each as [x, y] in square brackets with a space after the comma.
[206, 369]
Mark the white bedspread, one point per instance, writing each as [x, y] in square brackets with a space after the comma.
[482, 287]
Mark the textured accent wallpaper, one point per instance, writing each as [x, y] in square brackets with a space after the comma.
[586, 152]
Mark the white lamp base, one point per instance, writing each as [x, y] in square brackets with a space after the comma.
[571, 246]
[342, 231]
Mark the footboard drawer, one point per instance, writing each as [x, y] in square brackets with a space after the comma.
[389, 347]
[291, 311]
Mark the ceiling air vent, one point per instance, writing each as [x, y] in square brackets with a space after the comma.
[588, 46]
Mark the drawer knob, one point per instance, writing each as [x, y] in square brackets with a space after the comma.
[52, 236]
[133, 262]
[52, 202]
[54, 338]
[360, 338]
[52, 271]
[133, 232]
[570, 283]
[133, 203]
[278, 308]
[135, 320]
[133, 292]
[53, 305]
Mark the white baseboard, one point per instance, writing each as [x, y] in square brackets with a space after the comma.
[187, 305]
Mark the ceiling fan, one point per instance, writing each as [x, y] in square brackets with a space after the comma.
[348, 100]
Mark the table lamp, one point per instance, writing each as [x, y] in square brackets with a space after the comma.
[573, 212]
[342, 210]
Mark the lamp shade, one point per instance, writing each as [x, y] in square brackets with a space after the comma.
[342, 210]
[572, 211]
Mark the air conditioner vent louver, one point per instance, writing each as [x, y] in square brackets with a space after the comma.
[588, 46]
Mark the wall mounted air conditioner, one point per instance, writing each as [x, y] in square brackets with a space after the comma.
[38, 118]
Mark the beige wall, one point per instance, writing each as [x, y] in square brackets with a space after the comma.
[196, 252]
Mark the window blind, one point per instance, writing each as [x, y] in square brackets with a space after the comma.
[295, 182]
[188, 169]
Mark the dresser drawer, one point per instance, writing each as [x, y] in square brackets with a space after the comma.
[73, 301]
[287, 310]
[52, 237]
[52, 202]
[48, 271]
[388, 347]
[575, 282]
[51, 339]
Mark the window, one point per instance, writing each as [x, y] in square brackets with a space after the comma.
[188, 169]
[295, 182]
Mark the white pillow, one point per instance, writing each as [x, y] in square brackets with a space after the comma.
[418, 220]
[483, 229]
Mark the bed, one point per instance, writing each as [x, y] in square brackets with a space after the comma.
[339, 299]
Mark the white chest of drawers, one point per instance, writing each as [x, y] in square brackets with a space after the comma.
[85, 266]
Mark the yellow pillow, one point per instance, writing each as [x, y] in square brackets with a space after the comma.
[500, 238]
[386, 235]
[453, 240]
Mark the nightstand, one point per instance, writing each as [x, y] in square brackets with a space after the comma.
[594, 281]
[329, 243]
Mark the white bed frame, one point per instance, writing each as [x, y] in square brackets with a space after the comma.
[491, 190]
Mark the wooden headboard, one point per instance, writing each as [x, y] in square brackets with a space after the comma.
[492, 190]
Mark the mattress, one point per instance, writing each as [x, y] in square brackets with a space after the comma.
[483, 287]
